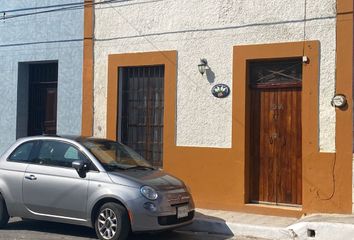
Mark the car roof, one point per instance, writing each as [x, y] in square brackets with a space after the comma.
[76, 138]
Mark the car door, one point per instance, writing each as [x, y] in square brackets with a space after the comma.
[51, 187]
[12, 172]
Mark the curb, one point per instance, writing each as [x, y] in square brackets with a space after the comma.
[236, 229]
[322, 231]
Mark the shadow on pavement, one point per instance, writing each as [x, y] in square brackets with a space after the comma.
[35, 228]
[68, 231]
[208, 224]
[51, 227]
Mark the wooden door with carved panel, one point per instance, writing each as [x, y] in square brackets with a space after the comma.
[275, 131]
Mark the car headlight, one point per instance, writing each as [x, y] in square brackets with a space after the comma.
[149, 192]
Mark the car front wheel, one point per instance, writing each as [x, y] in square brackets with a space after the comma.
[112, 222]
[4, 216]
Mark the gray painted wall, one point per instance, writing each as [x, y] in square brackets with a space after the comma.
[41, 37]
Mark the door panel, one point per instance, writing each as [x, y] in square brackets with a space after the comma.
[263, 146]
[289, 179]
[55, 191]
[50, 119]
[12, 173]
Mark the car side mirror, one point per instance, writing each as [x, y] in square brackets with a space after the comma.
[80, 167]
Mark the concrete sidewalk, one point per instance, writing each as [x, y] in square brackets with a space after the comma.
[313, 227]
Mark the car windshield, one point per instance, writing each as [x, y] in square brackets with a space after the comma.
[115, 156]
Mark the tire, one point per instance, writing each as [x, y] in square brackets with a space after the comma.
[4, 216]
[112, 222]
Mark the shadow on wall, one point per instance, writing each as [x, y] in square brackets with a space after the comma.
[210, 75]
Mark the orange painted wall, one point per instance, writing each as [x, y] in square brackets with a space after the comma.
[218, 177]
[87, 76]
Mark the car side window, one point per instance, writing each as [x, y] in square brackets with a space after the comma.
[56, 153]
[22, 153]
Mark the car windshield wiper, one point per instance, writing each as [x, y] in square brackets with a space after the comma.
[141, 167]
[114, 167]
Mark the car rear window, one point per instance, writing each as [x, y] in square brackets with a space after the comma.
[22, 153]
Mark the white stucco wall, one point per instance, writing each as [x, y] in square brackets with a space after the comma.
[209, 29]
[50, 36]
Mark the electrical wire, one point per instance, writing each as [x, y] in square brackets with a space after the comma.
[331, 195]
[57, 8]
[304, 30]
[42, 7]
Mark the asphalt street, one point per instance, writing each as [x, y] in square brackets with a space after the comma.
[36, 230]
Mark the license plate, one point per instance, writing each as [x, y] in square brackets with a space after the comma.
[182, 212]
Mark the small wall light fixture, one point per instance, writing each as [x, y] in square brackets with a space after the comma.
[305, 59]
[203, 65]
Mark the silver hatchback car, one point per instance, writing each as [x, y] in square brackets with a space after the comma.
[91, 182]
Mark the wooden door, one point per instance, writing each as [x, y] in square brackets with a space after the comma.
[42, 110]
[275, 132]
[140, 124]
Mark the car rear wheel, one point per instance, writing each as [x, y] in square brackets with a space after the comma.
[4, 216]
[112, 222]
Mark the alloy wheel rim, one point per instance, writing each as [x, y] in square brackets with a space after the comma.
[107, 223]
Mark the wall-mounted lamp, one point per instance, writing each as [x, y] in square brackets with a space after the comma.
[203, 65]
[305, 59]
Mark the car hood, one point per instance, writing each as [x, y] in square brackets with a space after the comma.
[157, 179]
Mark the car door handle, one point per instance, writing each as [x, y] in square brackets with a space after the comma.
[31, 177]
